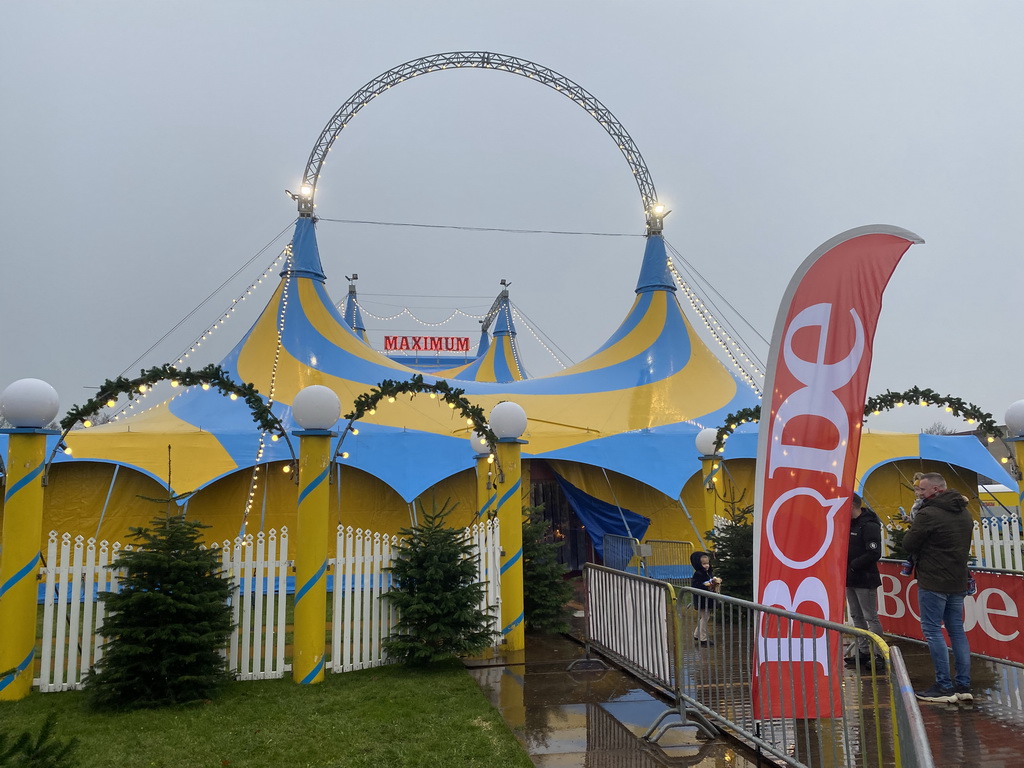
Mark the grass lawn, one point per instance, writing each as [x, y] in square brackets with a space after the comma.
[389, 716]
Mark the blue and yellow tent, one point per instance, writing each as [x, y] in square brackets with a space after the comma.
[620, 425]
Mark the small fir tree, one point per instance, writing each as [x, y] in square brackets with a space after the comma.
[545, 590]
[436, 592]
[168, 624]
[44, 751]
[733, 542]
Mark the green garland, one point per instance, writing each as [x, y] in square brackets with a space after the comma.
[388, 388]
[916, 396]
[212, 376]
[732, 421]
[876, 405]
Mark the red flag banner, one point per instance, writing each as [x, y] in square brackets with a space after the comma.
[808, 444]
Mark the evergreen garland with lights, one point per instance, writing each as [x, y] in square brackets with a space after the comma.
[210, 376]
[971, 413]
[986, 424]
[388, 389]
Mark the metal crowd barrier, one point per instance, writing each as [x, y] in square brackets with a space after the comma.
[622, 553]
[648, 628]
[669, 560]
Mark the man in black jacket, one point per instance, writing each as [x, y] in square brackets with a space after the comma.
[939, 540]
[862, 581]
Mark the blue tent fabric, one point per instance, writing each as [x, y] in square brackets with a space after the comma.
[600, 517]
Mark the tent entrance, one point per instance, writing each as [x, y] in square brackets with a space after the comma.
[566, 526]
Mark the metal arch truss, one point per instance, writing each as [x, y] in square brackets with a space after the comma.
[654, 212]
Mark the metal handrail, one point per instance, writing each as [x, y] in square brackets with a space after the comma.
[714, 684]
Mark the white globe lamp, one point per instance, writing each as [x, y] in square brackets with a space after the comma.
[508, 420]
[479, 444]
[29, 404]
[316, 407]
[705, 441]
[1015, 419]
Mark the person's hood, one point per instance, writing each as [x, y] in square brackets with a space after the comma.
[951, 501]
[867, 514]
[695, 559]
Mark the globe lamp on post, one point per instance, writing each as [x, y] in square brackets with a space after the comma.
[1015, 436]
[316, 409]
[28, 405]
[508, 422]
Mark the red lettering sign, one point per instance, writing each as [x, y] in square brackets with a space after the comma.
[426, 343]
[993, 616]
[807, 455]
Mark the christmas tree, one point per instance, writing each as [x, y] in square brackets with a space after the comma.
[167, 625]
[437, 594]
[545, 590]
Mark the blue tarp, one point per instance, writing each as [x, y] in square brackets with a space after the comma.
[600, 517]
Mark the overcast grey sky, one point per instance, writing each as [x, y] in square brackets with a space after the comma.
[145, 147]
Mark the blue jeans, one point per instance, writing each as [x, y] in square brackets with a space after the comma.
[938, 608]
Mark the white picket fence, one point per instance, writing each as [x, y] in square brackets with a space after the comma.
[259, 569]
[996, 543]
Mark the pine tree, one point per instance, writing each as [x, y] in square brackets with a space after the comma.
[437, 594]
[734, 553]
[168, 624]
[45, 751]
[545, 590]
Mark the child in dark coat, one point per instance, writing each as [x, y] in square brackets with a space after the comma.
[704, 579]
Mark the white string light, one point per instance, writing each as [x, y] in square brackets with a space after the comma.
[406, 311]
[282, 312]
[736, 354]
[519, 317]
[130, 407]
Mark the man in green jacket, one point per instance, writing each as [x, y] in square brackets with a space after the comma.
[939, 540]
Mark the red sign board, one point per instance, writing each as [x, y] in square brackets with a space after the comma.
[993, 616]
[426, 344]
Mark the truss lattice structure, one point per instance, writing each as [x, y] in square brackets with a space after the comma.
[439, 62]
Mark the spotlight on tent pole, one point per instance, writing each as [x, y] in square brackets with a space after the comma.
[656, 213]
[29, 405]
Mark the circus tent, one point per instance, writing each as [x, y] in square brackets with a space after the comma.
[620, 425]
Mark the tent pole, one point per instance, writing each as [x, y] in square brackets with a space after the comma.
[616, 500]
[700, 539]
[106, 501]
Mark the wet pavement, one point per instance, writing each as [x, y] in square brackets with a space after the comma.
[569, 715]
[589, 715]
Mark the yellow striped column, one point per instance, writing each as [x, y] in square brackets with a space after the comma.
[28, 404]
[316, 409]
[1014, 421]
[311, 533]
[510, 519]
[1018, 448]
[23, 530]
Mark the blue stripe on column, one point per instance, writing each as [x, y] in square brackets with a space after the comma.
[508, 495]
[8, 679]
[28, 569]
[511, 561]
[313, 673]
[487, 505]
[513, 624]
[313, 484]
[309, 584]
[23, 482]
